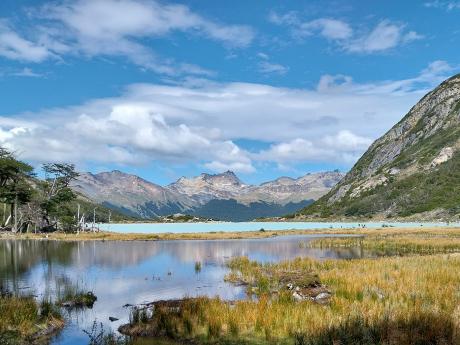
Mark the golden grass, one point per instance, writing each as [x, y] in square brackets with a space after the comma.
[21, 317]
[396, 242]
[113, 236]
[391, 300]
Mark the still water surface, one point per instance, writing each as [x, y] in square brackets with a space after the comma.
[135, 272]
[250, 226]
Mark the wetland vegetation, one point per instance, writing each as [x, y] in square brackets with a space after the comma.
[24, 320]
[404, 289]
[411, 298]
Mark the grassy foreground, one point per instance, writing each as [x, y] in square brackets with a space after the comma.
[409, 299]
[24, 321]
[397, 300]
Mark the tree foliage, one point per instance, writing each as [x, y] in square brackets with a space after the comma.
[42, 203]
[56, 190]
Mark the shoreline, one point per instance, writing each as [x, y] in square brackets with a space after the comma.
[235, 235]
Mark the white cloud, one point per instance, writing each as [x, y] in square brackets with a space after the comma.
[289, 18]
[110, 20]
[125, 28]
[15, 47]
[386, 35]
[348, 142]
[329, 28]
[445, 5]
[263, 56]
[333, 82]
[269, 68]
[201, 122]
[27, 72]
[343, 146]
[230, 157]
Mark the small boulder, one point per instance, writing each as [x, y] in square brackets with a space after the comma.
[298, 297]
[322, 296]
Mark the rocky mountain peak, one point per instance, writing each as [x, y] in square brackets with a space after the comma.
[226, 178]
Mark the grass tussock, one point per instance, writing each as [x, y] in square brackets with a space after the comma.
[71, 295]
[390, 300]
[23, 319]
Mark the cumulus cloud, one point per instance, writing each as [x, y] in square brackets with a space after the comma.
[343, 146]
[202, 121]
[384, 36]
[127, 134]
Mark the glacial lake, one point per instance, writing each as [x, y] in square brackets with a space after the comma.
[250, 226]
[135, 272]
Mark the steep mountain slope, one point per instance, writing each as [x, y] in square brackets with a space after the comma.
[221, 196]
[412, 171]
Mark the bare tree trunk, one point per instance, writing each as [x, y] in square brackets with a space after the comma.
[15, 228]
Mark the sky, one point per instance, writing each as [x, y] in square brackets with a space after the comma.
[165, 89]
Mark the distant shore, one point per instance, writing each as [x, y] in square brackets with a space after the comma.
[114, 236]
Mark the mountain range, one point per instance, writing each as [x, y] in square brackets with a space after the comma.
[411, 172]
[219, 196]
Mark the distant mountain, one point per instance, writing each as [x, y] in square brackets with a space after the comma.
[207, 187]
[221, 196]
[412, 171]
[131, 194]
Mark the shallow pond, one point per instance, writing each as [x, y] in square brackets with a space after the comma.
[133, 272]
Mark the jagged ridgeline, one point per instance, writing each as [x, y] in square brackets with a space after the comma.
[412, 171]
[220, 196]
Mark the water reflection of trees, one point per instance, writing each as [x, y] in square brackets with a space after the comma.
[18, 257]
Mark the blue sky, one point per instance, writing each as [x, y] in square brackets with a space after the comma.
[165, 89]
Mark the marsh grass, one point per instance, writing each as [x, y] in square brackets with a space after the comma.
[22, 318]
[388, 243]
[71, 295]
[389, 300]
